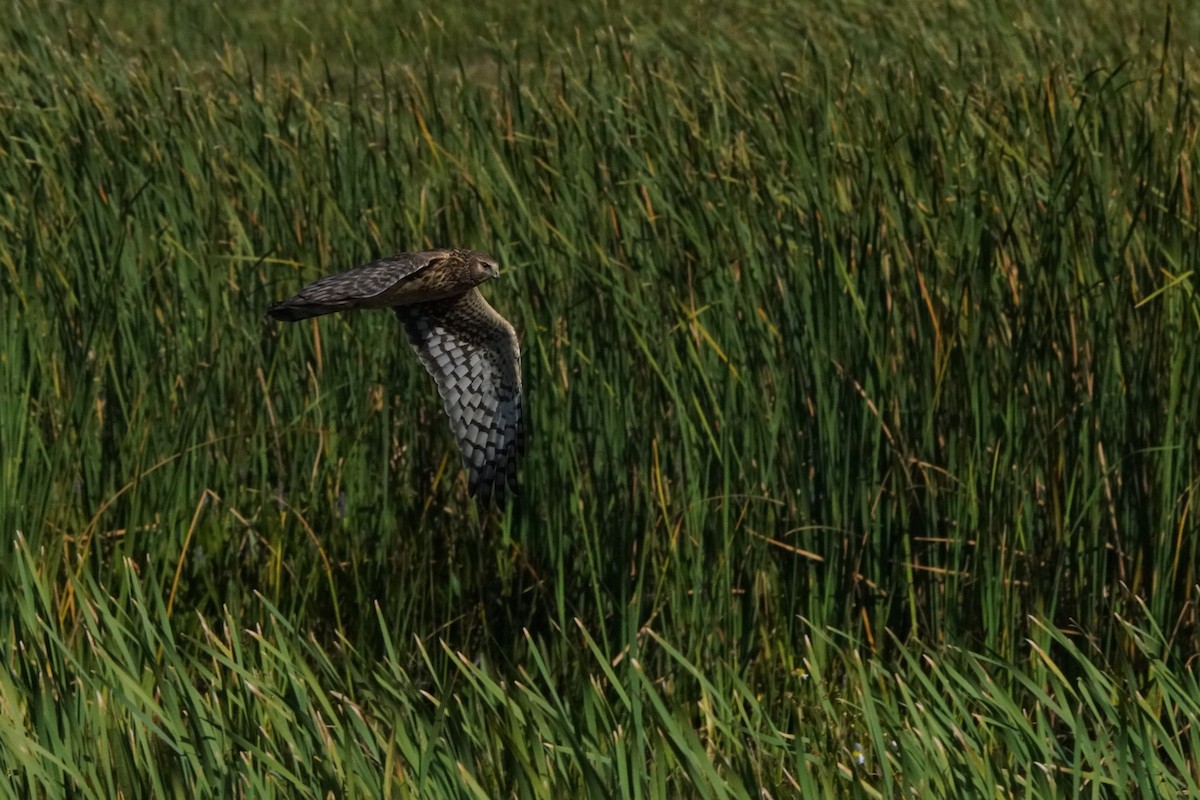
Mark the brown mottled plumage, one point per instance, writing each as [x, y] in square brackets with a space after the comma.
[469, 349]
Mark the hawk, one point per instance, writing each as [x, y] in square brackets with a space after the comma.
[470, 350]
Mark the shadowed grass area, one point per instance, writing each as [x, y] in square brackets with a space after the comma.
[861, 356]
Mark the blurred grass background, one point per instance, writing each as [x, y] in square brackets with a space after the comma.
[860, 349]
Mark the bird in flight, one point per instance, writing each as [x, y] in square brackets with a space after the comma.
[470, 350]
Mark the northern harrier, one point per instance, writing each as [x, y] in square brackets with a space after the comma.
[469, 349]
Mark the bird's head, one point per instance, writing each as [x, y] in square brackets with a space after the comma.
[484, 267]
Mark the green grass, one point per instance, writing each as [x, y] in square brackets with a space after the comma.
[862, 359]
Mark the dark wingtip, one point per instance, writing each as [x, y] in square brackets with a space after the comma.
[482, 492]
[290, 312]
[496, 490]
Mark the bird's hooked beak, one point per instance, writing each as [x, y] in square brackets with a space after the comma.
[492, 268]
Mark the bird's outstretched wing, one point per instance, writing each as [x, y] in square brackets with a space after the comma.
[474, 357]
[371, 285]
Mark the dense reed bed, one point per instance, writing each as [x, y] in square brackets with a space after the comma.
[862, 361]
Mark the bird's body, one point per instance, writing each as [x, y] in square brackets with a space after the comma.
[471, 351]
